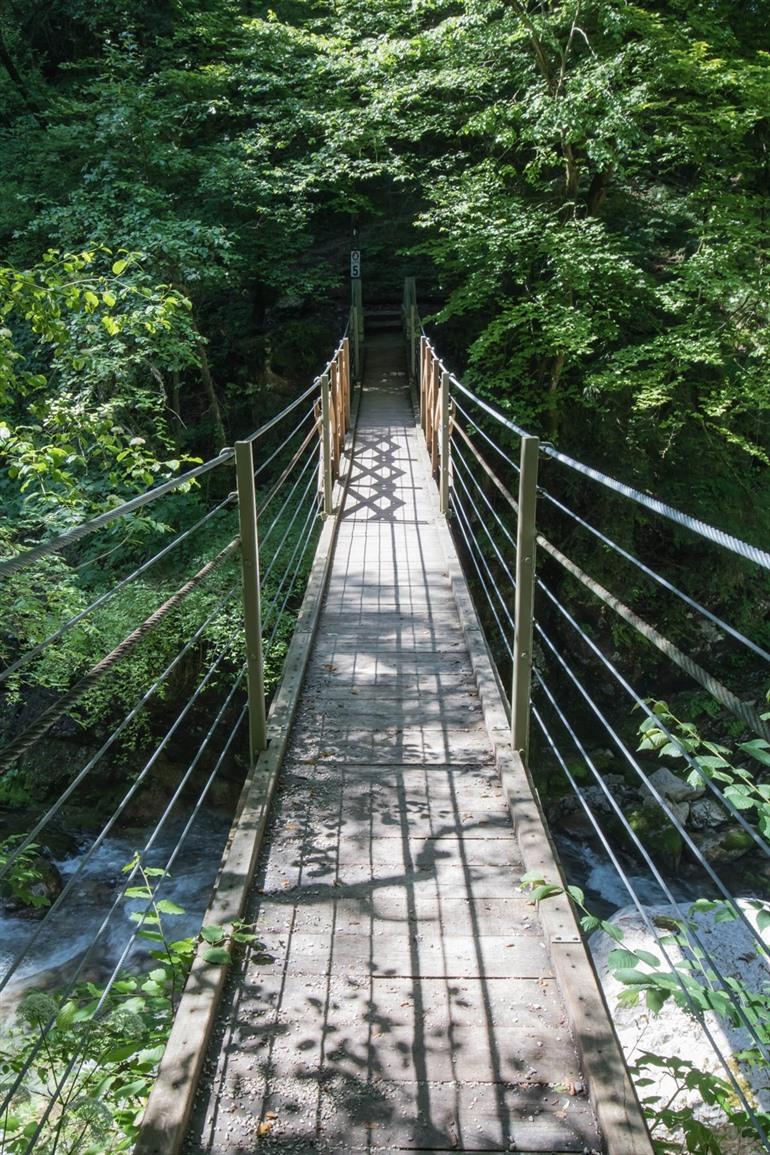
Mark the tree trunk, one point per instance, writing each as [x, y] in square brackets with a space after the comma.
[220, 437]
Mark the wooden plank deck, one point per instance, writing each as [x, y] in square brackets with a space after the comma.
[402, 997]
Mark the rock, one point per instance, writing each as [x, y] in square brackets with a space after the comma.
[569, 816]
[706, 813]
[674, 788]
[656, 833]
[725, 845]
[32, 885]
[681, 811]
[674, 1032]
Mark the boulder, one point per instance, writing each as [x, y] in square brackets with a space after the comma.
[674, 788]
[724, 845]
[706, 814]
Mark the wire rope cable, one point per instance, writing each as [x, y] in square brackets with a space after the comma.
[306, 535]
[467, 472]
[271, 424]
[139, 924]
[460, 512]
[648, 922]
[282, 447]
[640, 703]
[648, 785]
[276, 519]
[113, 737]
[133, 789]
[100, 601]
[509, 460]
[53, 713]
[651, 573]
[72, 536]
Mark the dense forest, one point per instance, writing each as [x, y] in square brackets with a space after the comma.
[580, 187]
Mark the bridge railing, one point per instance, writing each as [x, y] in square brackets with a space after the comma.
[592, 685]
[184, 635]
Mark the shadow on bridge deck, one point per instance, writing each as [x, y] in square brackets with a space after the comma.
[402, 996]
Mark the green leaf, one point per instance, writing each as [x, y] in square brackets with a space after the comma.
[119, 267]
[630, 976]
[656, 998]
[758, 749]
[548, 890]
[532, 878]
[620, 957]
[218, 955]
[166, 906]
[577, 895]
[212, 934]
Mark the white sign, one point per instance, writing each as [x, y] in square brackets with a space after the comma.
[355, 264]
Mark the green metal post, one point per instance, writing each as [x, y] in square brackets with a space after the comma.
[326, 446]
[413, 338]
[356, 344]
[525, 596]
[252, 613]
[443, 445]
[357, 324]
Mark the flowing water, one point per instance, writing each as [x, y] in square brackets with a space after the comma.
[65, 939]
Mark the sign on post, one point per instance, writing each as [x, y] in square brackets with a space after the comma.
[355, 264]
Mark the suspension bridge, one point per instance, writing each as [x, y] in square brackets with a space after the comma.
[404, 993]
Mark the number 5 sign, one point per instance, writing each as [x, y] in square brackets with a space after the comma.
[355, 264]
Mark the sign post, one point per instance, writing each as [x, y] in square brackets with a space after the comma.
[357, 311]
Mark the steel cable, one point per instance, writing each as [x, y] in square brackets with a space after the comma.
[282, 447]
[650, 926]
[11, 1091]
[135, 785]
[509, 460]
[110, 741]
[743, 549]
[743, 710]
[647, 784]
[651, 573]
[490, 409]
[503, 489]
[722, 984]
[100, 601]
[53, 713]
[74, 535]
[643, 706]
[461, 513]
[264, 540]
[467, 472]
[277, 485]
[306, 535]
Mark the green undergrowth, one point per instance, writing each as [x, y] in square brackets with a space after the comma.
[78, 1066]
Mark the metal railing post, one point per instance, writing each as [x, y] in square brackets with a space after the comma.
[421, 379]
[525, 596]
[326, 445]
[443, 484]
[357, 326]
[346, 378]
[252, 611]
[356, 344]
[413, 340]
